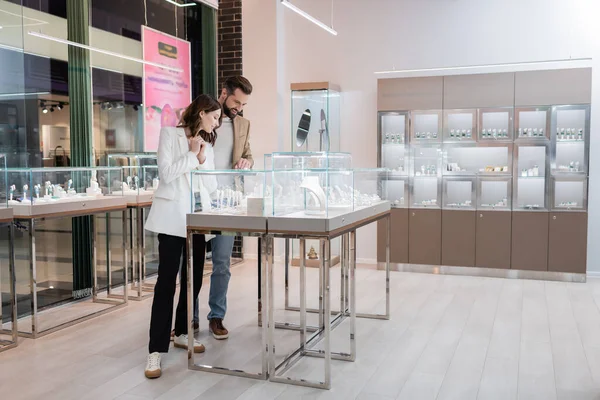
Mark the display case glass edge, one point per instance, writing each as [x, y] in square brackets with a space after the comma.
[3, 182]
[466, 132]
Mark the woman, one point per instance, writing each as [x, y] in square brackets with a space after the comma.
[180, 150]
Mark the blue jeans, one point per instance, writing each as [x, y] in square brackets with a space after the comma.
[222, 246]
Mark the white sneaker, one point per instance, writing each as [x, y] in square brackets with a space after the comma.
[181, 342]
[153, 366]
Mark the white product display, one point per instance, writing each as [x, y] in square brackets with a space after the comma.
[427, 170]
[466, 203]
[569, 134]
[94, 189]
[568, 204]
[311, 184]
[501, 203]
[494, 134]
[531, 172]
[532, 133]
[573, 166]
[460, 134]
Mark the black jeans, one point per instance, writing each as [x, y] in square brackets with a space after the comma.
[172, 255]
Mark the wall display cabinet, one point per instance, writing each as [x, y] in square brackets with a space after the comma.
[458, 238]
[493, 239]
[398, 237]
[501, 175]
[567, 243]
[425, 237]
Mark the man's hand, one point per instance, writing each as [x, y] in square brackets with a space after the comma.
[243, 164]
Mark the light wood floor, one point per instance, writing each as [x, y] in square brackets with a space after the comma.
[450, 337]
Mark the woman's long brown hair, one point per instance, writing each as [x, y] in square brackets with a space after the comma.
[190, 118]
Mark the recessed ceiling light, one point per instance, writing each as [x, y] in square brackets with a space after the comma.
[109, 53]
[308, 16]
[180, 4]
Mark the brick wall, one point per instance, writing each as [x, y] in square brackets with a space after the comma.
[229, 36]
[229, 48]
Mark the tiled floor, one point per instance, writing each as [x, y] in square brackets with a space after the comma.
[450, 337]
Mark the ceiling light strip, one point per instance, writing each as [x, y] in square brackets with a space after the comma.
[23, 94]
[308, 17]
[179, 4]
[107, 52]
[528, 65]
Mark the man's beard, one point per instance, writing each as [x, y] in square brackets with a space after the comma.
[227, 110]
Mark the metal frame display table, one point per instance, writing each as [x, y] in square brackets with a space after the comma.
[238, 225]
[342, 225]
[137, 245]
[6, 219]
[76, 208]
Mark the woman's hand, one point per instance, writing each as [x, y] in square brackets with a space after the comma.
[202, 153]
[195, 144]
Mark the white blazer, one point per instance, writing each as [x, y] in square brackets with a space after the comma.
[173, 198]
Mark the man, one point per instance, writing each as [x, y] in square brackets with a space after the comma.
[232, 150]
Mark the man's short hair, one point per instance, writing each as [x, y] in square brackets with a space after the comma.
[238, 82]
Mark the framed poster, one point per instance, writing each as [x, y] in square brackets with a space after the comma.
[166, 92]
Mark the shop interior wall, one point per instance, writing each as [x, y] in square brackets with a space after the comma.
[408, 34]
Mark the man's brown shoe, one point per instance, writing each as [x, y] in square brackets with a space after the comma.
[215, 325]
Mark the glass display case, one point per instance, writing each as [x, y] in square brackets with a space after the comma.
[569, 193]
[230, 192]
[530, 176]
[136, 181]
[494, 193]
[393, 142]
[570, 139]
[483, 159]
[460, 125]
[459, 193]
[495, 124]
[39, 186]
[315, 117]
[131, 159]
[307, 160]
[426, 126]
[532, 123]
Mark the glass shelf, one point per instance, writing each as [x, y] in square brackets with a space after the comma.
[530, 160]
[426, 160]
[530, 194]
[483, 159]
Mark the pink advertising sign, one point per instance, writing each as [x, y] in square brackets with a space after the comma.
[167, 92]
